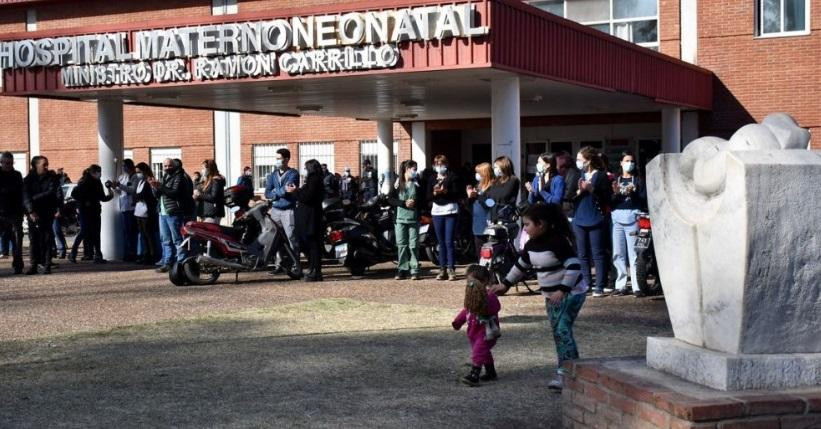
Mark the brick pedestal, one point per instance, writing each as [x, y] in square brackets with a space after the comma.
[625, 393]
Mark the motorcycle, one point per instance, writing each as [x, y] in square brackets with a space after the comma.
[647, 274]
[366, 240]
[499, 253]
[251, 244]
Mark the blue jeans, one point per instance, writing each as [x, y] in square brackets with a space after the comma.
[590, 242]
[129, 234]
[59, 237]
[171, 239]
[624, 252]
[6, 245]
[445, 227]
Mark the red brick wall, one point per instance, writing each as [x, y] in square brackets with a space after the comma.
[670, 27]
[14, 126]
[191, 130]
[756, 77]
[98, 12]
[344, 133]
[272, 5]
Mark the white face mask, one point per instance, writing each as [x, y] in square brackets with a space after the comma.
[628, 166]
[203, 172]
[249, 173]
[581, 165]
[541, 168]
[304, 172]
[478, 177]
[346, 173]
[278, 163]
[441, 169]
[140, 176]
[497, 171]
[368, 174]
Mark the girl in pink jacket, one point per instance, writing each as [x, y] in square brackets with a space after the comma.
[481, 312]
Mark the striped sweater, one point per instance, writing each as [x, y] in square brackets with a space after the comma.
[555, 262]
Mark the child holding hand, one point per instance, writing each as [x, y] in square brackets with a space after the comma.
[481, 312]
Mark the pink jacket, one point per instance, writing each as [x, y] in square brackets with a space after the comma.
[476, 331]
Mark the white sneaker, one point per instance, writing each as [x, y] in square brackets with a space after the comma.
[557, 383]
[609, 290]
[598, 295]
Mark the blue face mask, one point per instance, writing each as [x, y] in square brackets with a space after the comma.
[277, 163]
[414, 174]
[442, 169]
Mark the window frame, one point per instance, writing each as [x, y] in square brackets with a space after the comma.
[612, 21]
[305, 158]
[758, 24]
[162, 152]
[256, 176]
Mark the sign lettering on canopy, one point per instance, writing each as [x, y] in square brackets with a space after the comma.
[299, 45]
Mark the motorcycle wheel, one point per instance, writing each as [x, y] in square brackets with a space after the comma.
[357, 269]
[194, 275]
[177, 276]
[647, 272]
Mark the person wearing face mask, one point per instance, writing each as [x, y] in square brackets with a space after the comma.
[42, 197]
[175, 205]
[404, 195]
[571, 174]
[11, 209]
[145, 213]
[89, 195]
[283, 202]
[369, 183]
[443, 193]
[590, 220]
[347, 185]
[629, 197]
[211, 193]
[483, 174]
[506, 187]
[310, 221]
[125, 189]
[548, 185]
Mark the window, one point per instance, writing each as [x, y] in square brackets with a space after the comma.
[782, 17]
[632, 20]
[556, 7]
[21, 162]
[129, 154]
[369, 149]
[159, 155]
[264, 157]
[320, 151]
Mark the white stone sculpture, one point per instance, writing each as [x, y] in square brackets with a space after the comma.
[737, 232]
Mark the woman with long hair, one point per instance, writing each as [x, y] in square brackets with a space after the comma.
[548, 185]
[591, 217]
[210, 195]
[481, 212]
[145, 212]
[89, 195]
[628, 199]
[443, 192]
[309, 219]
[404, 196]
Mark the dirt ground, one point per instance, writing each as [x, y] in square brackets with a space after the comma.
[113, 346]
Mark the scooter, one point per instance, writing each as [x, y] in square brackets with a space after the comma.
[250, 245]
[647, 272]
[499, 253]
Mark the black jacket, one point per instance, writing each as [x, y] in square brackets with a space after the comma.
[450, 183]
[42, 194]
[309, 219]
[147, 196]
[89, 194]
[213, 198]
[11, 194]
[177, 191]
